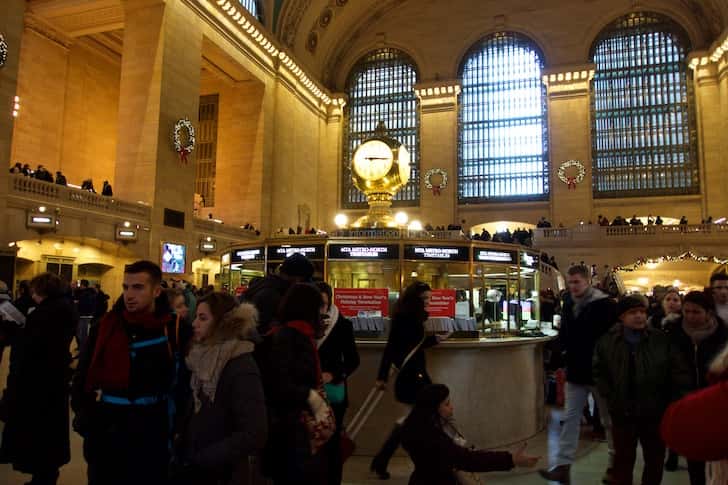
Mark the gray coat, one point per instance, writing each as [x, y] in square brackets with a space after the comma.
[222, 440]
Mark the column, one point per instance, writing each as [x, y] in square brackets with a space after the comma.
[569, 125]
[331, 171]
[11, 27]
[160, 84]
[438, 150]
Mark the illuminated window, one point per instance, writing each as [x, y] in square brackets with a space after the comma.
[381, 88]
[252, 7]
[503, 139]
[643, 136]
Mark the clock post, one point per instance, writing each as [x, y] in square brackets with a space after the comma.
[380, 168]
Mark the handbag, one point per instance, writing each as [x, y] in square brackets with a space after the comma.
[408, 382]
[319, 432]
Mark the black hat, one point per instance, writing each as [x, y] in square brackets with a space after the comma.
[298, 265]
[628, 302]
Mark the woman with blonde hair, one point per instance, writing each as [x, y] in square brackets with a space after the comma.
[227, 426]
[670, 310]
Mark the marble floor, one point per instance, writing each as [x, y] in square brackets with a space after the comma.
[587, 470]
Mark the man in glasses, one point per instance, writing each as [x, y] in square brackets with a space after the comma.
[719, 287]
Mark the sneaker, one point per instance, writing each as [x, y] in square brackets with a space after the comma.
[560, 474]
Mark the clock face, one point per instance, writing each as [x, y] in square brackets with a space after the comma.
[372, 160]
[403, 159]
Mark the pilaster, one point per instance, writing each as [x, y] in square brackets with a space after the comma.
[160, 84]
[438, 149]
[569, 122]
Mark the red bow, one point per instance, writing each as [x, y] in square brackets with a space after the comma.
[435, 190]
[182, 155]
[571, 182]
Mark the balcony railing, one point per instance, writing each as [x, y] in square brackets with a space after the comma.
[591, 232]
[39, 190]
[212, 227]
[398, 234]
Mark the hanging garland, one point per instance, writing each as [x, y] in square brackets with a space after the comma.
[681, 257]
[184, 149]
[428, 180]
[571, 180]
[3, 50]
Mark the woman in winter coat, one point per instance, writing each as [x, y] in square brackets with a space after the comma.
[293, 379]
[228, 424]
[406, 335]
[339, 359]
[437, 448]
[700, 336]
[36, 437]
[670, 310]
[697, 425]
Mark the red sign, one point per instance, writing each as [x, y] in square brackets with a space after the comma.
[351, 301]
[442, 303]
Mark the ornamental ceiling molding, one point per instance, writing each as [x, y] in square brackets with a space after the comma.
[323, 21]
[341, 49]
[291, 20]
[707, 14]
[44, 29]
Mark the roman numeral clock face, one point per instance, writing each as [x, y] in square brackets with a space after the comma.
[373, 160]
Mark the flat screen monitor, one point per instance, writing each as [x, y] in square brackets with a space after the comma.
[174, 257]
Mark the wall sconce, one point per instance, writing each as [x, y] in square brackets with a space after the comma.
[208, 245]
[126, 232]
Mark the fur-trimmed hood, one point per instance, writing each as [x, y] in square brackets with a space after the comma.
[239, 323]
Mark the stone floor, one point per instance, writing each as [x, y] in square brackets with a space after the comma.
[587, 470]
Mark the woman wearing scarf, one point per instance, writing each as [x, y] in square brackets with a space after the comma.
[437, 448]
[697, 425]
[228, 424]
[339, 359]
[293, 379]
[700, 336]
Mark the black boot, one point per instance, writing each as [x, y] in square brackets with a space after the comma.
[672, 461]
[381, 460]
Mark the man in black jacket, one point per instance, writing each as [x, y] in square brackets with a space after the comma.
[587, 314]
[124, 382]
[266, 293]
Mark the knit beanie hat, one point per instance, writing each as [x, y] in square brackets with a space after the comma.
[628, 302]
[298, 265]
[699, 298]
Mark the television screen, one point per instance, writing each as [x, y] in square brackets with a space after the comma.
[173, 257]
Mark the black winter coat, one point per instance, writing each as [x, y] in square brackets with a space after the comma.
[404, 335]
[222, 435]
[290, 372]
[36, 434]
[578, 335]
[338, 352]
[436, 456]
[698, 357]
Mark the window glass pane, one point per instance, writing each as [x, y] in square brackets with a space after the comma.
[503, 139]
[381, 88]
[643, 137]
[252, 7]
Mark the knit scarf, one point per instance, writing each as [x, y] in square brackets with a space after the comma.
[111, 363]
[206, 362]
[701, 333]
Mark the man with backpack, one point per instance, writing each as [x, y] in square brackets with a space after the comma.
[122, 388]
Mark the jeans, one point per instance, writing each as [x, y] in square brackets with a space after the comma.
[626, 435]
[577, 396]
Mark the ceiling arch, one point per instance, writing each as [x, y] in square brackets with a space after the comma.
[327, 36]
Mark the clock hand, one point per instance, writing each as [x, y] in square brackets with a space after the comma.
[376, 158]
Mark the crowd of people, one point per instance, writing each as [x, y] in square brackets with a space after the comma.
[183, 386]
[41, 173]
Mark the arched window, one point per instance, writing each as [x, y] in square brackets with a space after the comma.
[502, 127]
[253, 7]
[643, 136]
[381, 88]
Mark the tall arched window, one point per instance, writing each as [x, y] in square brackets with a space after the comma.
[253, 7]
[381, 88]
[643, 136]
[503, 139]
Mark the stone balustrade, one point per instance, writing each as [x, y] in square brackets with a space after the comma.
[545, 237]
[69, 197]
[211, 227]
